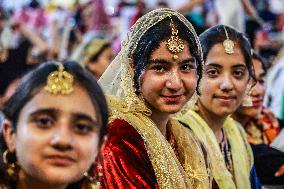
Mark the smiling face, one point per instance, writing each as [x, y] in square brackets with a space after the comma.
[167, 84]
[56, 139]
[257, 92]
[224, 81]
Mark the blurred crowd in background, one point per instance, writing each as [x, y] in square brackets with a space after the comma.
[91, 32]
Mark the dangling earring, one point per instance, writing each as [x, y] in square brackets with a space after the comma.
[93, 182]
[193, 102]
[247, 101]
[12, 167]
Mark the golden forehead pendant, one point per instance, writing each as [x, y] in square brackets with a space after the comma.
[60, 82]
[174, 43]
[228, 44]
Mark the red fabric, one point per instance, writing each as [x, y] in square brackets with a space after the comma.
[124, 161]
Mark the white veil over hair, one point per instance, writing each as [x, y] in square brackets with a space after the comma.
[118, 84]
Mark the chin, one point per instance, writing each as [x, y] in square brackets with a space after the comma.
[61, 176]
[171, 109]
[62, 179]
[224, 113]
[253, 113]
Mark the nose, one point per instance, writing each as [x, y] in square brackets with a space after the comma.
[174, 81]
[226, 83]
[62, 138]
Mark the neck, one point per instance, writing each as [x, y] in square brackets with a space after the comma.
[215, 122]
[161, 120]
[27, 182]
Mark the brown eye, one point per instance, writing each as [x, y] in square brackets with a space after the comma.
[158, 68]
[239, 73]
[44, 121]
[83, 128]
[261, 81]
[187, 67]
[212, 72]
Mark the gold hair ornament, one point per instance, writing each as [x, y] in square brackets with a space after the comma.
[60, 81]
[174, 43]
[228, 44]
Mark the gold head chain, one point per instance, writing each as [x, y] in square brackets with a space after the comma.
[60, 81]
[174, 43]
[228, 44]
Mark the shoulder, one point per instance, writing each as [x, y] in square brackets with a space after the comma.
[123, 137]
[119, 130]
[124, 158]
[245, 141]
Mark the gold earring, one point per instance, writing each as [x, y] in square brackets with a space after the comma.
[12, 168]
[247, 101]
[93, 182]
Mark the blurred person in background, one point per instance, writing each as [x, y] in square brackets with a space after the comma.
[23, 50]
[97, 56]
[195, 12]
[232, 12]
[262, 128]
[274, 98]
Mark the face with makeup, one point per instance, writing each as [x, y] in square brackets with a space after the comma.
[256, 93]
[168, 83]
[56, 140]
[224, 81]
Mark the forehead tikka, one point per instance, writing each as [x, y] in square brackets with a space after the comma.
[228, 44]
[60, 81]
[174, 44]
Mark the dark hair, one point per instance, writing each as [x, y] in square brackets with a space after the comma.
[256, 56]
[151, 40]
[94, 57]
[36, 79]
[217, 34]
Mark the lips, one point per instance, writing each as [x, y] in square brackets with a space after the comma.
[257, 103]
[60, 160]
[225, 98]
[172, 98]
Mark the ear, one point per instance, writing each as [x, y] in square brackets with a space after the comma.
[9, 135]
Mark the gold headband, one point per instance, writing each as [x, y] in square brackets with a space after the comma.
[228, 44]
[174, 43]
[93, 48]
[59, 81]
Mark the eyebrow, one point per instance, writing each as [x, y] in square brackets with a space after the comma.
[239, 66]
[55, 112]
[51, 111]
[80, 116]
[213, 65]
[163, 61]
[219, 66]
